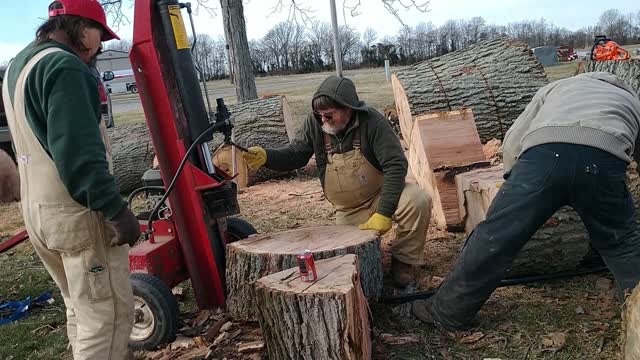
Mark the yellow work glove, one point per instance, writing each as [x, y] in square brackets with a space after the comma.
[377, 222]
[255, 157]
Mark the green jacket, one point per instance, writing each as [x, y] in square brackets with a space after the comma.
[62, 105]
[380, 146]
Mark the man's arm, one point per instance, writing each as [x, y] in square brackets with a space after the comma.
[75, 142]
[295, 155]
[388, 151]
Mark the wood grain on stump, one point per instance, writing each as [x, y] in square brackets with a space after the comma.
[325, 319]
[252, 258]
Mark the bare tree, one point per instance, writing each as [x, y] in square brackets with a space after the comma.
[122, 45]
[369, 37]
[235, 31]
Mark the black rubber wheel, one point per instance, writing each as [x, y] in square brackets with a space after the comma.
[134, 89]
[238, 229]
[157, 314]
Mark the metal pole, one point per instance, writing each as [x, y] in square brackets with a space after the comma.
[336, 39]
[387, 70]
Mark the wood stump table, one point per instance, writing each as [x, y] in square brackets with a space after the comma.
[325, 319]
[250, 259]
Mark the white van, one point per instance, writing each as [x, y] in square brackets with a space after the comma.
[120, 81]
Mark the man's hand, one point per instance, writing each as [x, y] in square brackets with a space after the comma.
[255, 157]
[127, 228]
[377, 222]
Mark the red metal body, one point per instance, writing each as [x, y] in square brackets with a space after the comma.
[191, 228]
[15, 240]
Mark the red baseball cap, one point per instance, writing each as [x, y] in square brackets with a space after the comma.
[90, 9]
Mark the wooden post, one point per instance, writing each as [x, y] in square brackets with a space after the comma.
[326, 319]
[252, 258]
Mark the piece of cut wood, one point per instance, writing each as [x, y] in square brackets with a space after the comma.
[223, 158]
[561, 244]
[252, 258]
[627, 70]
[326, 319]
[631, 326]
[440, 143]
[496, 78]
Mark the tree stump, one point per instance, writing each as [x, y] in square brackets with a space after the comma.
[561, 244]
[9, 179]
[496, 78]
[252, 258]
[631, 327]
[326, 319]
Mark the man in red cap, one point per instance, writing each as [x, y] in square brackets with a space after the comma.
[78, 223]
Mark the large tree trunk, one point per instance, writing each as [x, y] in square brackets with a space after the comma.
[132, 152]
[264, 122]
[561, 244]
[631, 327]
[627, 70]
[250, 259]
[495, 78]
[326, 319]
[9, 179]
[236, 34]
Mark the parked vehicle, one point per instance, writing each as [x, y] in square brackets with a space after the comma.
[105, 110]
[120, 81]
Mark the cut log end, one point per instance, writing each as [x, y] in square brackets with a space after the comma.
[9, 179]
[325, 319]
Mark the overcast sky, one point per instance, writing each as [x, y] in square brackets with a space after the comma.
[16, 31]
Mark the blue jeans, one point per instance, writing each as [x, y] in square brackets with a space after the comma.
[545, 178]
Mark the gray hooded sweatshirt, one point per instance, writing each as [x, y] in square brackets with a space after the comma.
[595, 109]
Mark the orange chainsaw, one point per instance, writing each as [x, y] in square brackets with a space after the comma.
[607, 49]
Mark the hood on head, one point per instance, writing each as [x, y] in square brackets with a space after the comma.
[341, 90]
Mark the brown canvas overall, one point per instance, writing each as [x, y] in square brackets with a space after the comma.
[353, 186]
[72, 241]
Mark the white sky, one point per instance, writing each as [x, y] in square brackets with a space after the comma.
[17, 31]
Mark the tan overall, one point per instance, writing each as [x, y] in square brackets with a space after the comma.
[353, 186]
[73, 243]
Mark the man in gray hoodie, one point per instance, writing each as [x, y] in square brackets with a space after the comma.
[570, 146]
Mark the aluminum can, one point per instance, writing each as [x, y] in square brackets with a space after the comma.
[307, 266]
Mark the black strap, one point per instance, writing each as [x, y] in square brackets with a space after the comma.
[356, 142]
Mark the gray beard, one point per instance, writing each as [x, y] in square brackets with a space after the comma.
[330, 129]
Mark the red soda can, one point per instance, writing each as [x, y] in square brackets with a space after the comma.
[307, 266]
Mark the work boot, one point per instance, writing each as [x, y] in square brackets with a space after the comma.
[402, 273]
[422, 310]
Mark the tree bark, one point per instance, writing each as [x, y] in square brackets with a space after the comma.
[132, 152]
[264, 122]
[236, 34]
[326, 319]
[561, 244]
[627, 70]
[9, 179]
[631, 327]
[250, 259]
[495, 78]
